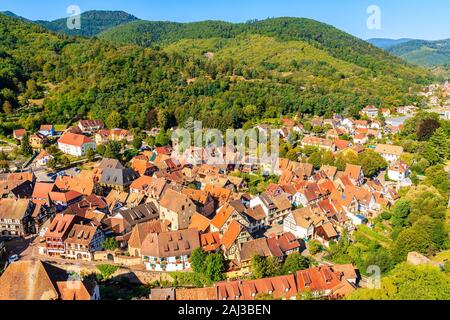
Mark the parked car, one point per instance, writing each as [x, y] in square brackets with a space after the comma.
[13, 258]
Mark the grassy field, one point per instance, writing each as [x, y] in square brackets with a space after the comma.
[371, 234]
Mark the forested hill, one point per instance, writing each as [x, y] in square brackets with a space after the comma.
[92, 22]
[227, 82]
[325, 37]
[424, 53]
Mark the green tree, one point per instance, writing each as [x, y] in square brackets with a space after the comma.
[437, 177]
[114, 120]
[198, 259]
[112, 150]
[408, 282]
[101, 149]
[295, 262]
[400, 213]
[64, 161]
[90, 155]
[315, 247]
[137, 142]
[316, 160]
[371, 163]
[162, 139]
[440, 143]
[426, 200]
[107, 270]
[258, 267]
[111, 244]
[215, 267]
[273, 266]
[25, 147]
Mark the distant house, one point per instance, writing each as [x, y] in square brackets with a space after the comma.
[300, 224]
[177, 208]
[385, 112]
[75, 144]
[319, 142]
[399, 171]
[82, 241]
[355, 173]
[283, 288]
[47, 130]
[58, 232]
[118, 179]
[19, 134]
[370, 112]
[42, 159]
[104, 136]
[37, 141]
[90, 126]
[15, 217]
[389, 152]
[170, 251]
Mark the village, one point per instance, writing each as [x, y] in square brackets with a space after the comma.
[155, 212]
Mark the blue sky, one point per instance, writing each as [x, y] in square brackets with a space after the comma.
[420, 19]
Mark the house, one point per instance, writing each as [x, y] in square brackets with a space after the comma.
[360, 139]
[233, 238]
[225, 215]
[399, 172]
[140, 232]
[58, 232]
[385, 112]
[75, 145]
[117, 179]
[169, 251]
[19, 134]
[142, 165]
[318, 142]
[370, 111]
[407, 110]
[389, 152]
[37, 141]
[210, 242]
[63, 199]
[82, 241]
[42, 159]
[275, 208]
[323, 281]
[90, 126]
[47, 130]
[104, 136]
[15, 217]
[325, 233]
[177, 208]
[38, 280]
[203, 201]
[300, 223]
[277, 246]
[355, 173]
[283, 287]
[123, 222]
[41, 193]
[16, 189]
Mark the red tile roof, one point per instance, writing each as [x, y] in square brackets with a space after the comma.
[73, 139]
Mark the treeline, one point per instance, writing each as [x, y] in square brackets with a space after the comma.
[149, 87]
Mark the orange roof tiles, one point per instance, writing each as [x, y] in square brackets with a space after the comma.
[73, 139]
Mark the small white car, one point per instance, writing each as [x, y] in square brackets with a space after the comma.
[13, 258]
